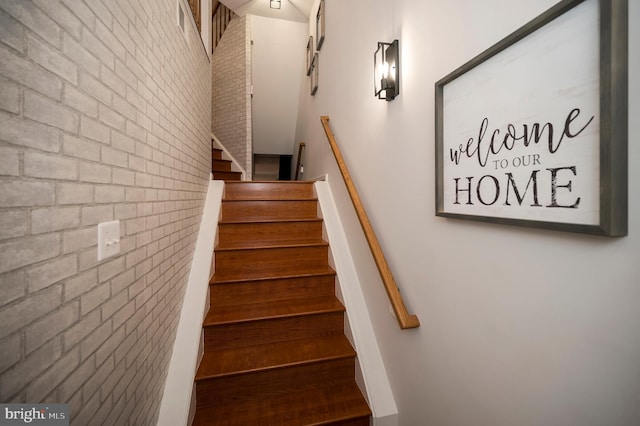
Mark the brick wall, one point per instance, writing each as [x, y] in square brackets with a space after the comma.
[231, 91]
[104, 114]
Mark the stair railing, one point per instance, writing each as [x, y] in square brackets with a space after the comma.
[221, 16]
[405, 319]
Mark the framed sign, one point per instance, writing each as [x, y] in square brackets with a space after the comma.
[314, 75]
[309, 54]
[533, 131]
[320, 25]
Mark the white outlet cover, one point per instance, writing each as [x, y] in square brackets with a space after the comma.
[108, 239]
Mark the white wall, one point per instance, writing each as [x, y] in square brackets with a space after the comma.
[278, 61]
[519, 326]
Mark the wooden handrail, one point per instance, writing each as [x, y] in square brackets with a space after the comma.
[405, 319]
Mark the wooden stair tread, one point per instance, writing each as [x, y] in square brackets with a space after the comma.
[217, 280]
[245, 221]
[324, 404]
[257, 244]
[249, 359]
[226, 314]
[271, 274]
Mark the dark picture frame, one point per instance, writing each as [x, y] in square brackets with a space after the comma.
[309, 54]
[314, 74]
[320, 25]
[533, 131]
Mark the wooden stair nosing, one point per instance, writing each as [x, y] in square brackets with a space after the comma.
[263, 311]
[266, 245]
[328, 272]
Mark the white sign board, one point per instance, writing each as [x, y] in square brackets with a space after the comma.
[519, 129]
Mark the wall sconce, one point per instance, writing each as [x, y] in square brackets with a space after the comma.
[386, 66]
[274, 4]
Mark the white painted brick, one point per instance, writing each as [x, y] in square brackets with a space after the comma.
[125, 211]
[109, 194]
[74, 193]
[125, 346]
[52, 377]
[49, 326]
[92, 44]
[50, 59]
[106, 350]
[30, 134]
[114, 82]
[11, 32]
[19, 193]
[9, 97]
[87, 412]
[10, 351]
[54, 219]
[23, 72]
[24, 312]
[33, 18]
[45, 111]
[114, 157]
[136, 257]
[93, 129]
[123, 177]
[81, 11]
[49, 166]
[100, 11]
[90, 343]
[79, 55]
[123, 106]
[13, 223]
[144, 180]
[80, 101]
[137, 163]
[61, 15]
[88, 259]
[109, 384]
[92, 215]
[78, 332]
[110, 269]
[50, 273]
[107, 36]
[95, 88]
[94, 298]
[134, 194]
[26, 251]
[16, 378]
[76, 286]
[80, 148]
[12, 286]
[94, 172]
[75, 380]
[135, 225]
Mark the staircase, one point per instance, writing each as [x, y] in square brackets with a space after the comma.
[222, 168]
[275, 352]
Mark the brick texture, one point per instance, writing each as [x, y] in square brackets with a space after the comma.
[105, 112]
[231, 89]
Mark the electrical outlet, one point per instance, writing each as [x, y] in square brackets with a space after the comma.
[108, 239]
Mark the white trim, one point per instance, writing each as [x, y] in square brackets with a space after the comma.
[178, 388]
[235, 165]
[374, 382]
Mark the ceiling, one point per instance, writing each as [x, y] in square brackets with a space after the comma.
[291, 10]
